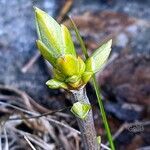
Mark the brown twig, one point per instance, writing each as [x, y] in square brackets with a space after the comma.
[23, 97]
[64, 10]
[30, 63]
[41, 115]
[34, 139]
[28, 141]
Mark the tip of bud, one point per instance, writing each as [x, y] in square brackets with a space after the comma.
[110, 42]
[38, 11]
[35, 8]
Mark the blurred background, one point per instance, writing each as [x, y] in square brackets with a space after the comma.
[124, 81]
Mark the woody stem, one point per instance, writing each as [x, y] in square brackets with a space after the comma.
[86, 126]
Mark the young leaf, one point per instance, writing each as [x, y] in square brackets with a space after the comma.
[99, 139]
[49, 31]
[55, 84]
[58, 75]
[67, 41]
[86, 76]
[99, 57]
[80, 110]
[47, 54]
[81, 66]
[72, 79]
[76, 85]
[55, 37]
[67, 65]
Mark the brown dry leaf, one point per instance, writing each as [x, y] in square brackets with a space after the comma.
[41, 131]
[127, 79]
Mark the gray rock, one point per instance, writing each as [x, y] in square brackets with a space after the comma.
[17, 46]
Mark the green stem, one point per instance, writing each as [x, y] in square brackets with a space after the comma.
[79, 38]
[97, 90]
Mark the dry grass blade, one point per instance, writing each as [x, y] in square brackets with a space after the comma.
[4, 140]
[35, 139]
[19, 108]
[6, 145]
[52, 121]
[105, 147]
[0, 141]
[26, 138]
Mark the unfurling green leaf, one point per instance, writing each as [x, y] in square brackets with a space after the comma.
[72, 79]
[98, 139]
[86, 76]
[58, 75]
[55, 84]
[55, 37]
[47, 53]
[67, 65]
[80, 109]
[49, 31]
[67, 41]
[81, 66]
[76, 85]
[56, 46]
[98, 58]
[70, 65]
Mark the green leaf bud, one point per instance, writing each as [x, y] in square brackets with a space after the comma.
[55, 37]
[72, 79]
[55, 84]
[81, 66]
[47, 53]
[68, 65]
[86, 76]
[67, 41]
[98, 139]
[80, 110]
[98, 58]
[58, 75]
